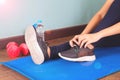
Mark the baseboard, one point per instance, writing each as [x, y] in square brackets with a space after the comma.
[49, 35]
[3, 42]
[63, 32]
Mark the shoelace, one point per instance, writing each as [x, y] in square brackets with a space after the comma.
[76, 49]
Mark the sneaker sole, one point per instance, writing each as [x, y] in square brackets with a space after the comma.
[33, 46]
[81, 59]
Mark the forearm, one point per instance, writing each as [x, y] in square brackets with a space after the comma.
[98, 17]
[92, 24]
[112, 30]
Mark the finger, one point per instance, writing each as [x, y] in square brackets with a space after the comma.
[88, 45]
[83, 43]
[71, 43]
[79, 41]
[75, 42]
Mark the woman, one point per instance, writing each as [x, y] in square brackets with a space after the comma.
[102, 31]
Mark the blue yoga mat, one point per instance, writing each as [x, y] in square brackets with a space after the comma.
[108, 61]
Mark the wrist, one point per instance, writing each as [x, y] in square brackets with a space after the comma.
[100, 34]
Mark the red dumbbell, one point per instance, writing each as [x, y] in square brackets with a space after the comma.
[24, 49]
[13, 50]
[11, 43]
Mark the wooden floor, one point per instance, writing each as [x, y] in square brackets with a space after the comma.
[8, 74]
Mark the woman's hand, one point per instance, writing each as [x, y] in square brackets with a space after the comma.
[83, 40]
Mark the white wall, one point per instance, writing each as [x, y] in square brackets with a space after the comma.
[16, 15]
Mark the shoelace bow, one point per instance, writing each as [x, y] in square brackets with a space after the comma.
[76, 49]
